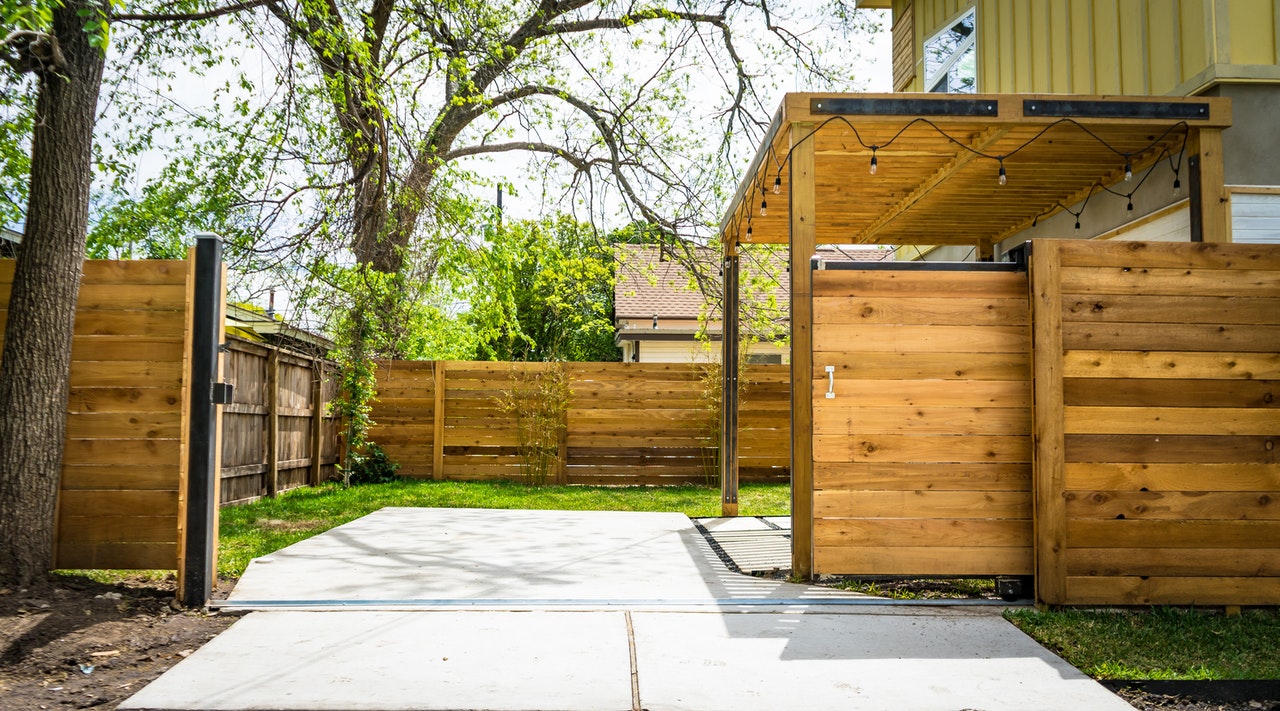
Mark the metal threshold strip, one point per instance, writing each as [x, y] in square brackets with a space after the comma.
[567, 603]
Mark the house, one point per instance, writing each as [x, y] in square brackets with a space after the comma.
[660, 304]
[1193, 48]
[254, 324]
[10, 238]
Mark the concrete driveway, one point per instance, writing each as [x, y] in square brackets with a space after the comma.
[487, 609]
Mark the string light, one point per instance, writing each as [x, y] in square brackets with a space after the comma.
[777, 184]
[1177, 184]
[1004, 177]
[1077, 222]
[764, 208]
[873, 159]
[1129, 207]
[1128, 170]
[748, 233]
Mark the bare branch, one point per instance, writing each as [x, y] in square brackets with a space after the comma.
[188, 16]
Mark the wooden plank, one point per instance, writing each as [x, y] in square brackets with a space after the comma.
[921, 339]
[925, 560]
[922, 504]
[117, 348]
[1140, 476]
[316, 425]
[1129, 533]
[119, 476]
[135, 272]
[1156, 336]
[1214, 310]
[1205, 144]
[1084, 590]
[911, 310]
[131, 556]
[1170, 282]
[1169, 255]
[888, 283]
[1230, 562]
[126, 374]
[923, 448]
[1172, 392]
[1171, 449]
[117, 529]
[919, 420]
[941, 366]
[922, 477]
[124, 425]
[921, 532]
[926, 393]
[1174, 505]
[1049, 512]
[124, 399]
[145, 452]
[1170, 364]
[1171, 420]
[114, 502]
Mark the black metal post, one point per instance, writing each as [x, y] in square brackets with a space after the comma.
[202, 476]
[729, 394]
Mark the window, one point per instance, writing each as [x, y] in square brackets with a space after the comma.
[951, 59]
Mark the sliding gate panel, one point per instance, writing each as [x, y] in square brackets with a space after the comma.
[922, 420]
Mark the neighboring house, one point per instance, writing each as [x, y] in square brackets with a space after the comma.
[659, 308]
[10, 238]
[1225, 48]
[254, 324]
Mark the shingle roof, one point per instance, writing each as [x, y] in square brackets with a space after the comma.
[653, 284]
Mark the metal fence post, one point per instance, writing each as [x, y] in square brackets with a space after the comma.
[202, 474]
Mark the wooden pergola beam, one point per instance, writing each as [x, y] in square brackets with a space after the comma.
[963, 158]
[803, 229]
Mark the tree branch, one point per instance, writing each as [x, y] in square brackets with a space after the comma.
[188, 16]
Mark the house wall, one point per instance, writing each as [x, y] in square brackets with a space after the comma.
[1137, 47]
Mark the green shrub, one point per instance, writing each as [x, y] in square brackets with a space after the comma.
[372, 466]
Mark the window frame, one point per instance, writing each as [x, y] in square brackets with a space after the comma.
[971, 42]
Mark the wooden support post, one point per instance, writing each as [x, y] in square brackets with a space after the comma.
[1049, 510]
[803, 245]
[729, 385]
[562, 438]
[273, 422]
[317, 423]
[1210, 216]
[985, 251]
[437, 414]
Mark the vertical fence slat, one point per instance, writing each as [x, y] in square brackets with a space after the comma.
[1049, 510]
[437, 424]
[273, 422]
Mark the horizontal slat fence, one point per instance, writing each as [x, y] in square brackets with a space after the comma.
[124, 458]
[627, 423]
[277, 434]
[1157, 417]
[922, 459]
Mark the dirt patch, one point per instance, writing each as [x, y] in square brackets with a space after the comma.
[81, 644]
[1161, 702]
[275, 524]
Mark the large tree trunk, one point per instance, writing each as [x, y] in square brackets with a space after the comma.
[36, 360]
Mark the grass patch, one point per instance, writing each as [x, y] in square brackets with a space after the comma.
[256, 529]
[905, 589]
[1160, 643]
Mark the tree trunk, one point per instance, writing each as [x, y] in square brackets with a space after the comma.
[36, 361]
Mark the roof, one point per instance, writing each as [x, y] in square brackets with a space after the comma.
[938, 158]
[651, 282]
[256, 325]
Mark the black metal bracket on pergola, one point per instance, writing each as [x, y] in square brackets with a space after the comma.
[1067, 108]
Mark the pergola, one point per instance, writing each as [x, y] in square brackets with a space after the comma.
[929, 169]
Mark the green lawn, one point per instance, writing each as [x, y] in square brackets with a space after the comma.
[264, 526]
[1160, 643]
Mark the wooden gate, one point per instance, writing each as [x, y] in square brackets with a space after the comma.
[922, 420]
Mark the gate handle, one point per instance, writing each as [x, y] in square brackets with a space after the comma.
[831, 382]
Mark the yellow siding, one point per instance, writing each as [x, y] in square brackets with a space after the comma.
[1110, 46]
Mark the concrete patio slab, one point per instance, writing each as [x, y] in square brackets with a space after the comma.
[657, 622]
[450, 555]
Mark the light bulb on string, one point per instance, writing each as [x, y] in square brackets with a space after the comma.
[873, 159]
[764, 208]
[1129, 207]
[748, 233]
[777, 184]
[1177, 185]
[1128, 171]
[1004, 177]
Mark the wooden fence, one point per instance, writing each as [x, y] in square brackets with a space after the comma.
[1157, 418]
[922, 457]
[120, 499]
[627, 423]
[277, 433]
